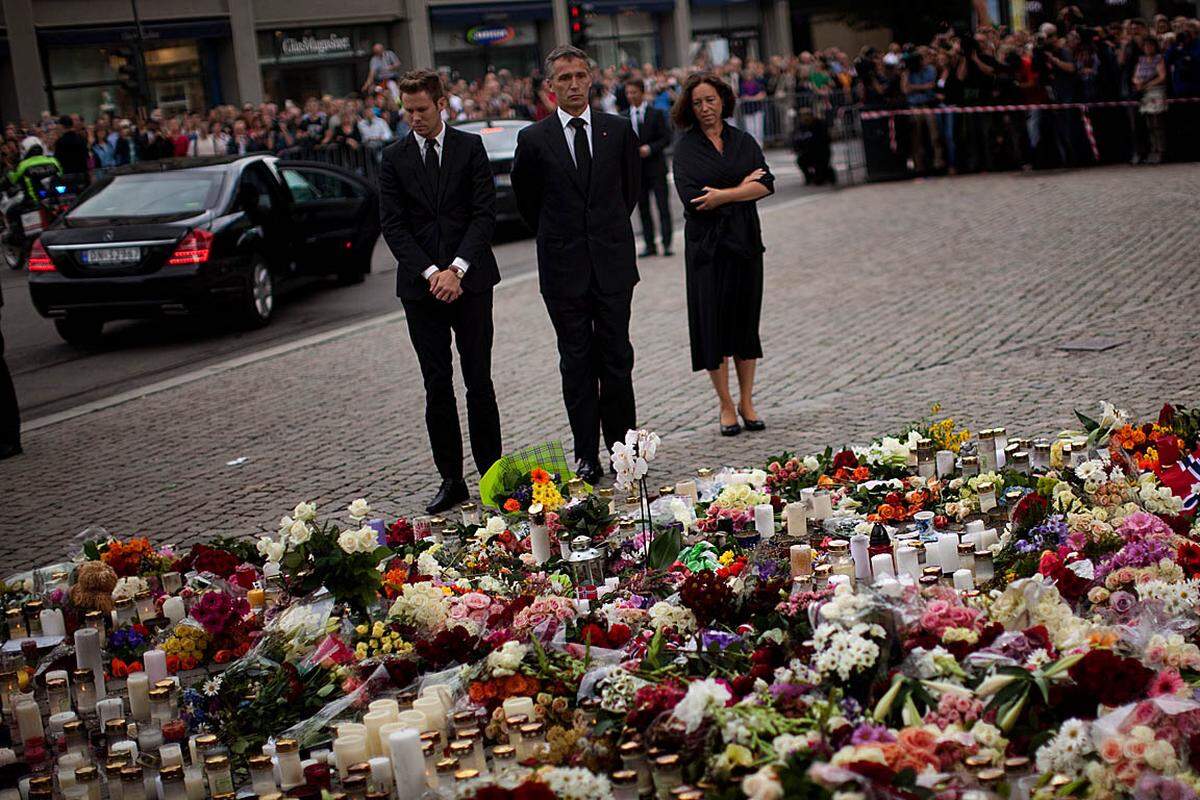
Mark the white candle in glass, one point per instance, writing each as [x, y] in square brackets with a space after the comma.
[110, 708]
[435, 713]
[539, 541]
[387, 704]
[797, 520]
[55, 722]
[388, 728]
[171, 755]
[947, 546]
[349, 750]
[764, 520]
[194, 783]
[52, 622]
[687, 489]
[519, 706]
[29, 721]
[411, 718]
[408, 762]
[964, 581]
[988, 538]
[822, 505]
[860, 551]
[907, 562]
[138, 686]
[155, 663]
[374, 720]
[351, 729]
[443, 692]
[945, 463]
[381, 774]
[881, 566]
[87, 649]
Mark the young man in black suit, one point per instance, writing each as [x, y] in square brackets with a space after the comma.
[654, 133]
[438, 209]
[576, 176]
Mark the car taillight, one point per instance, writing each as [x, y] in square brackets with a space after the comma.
[39, 259]
[192, 249]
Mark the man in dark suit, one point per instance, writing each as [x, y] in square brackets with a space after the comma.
[650, 125]
[438, 210]
[576, 175]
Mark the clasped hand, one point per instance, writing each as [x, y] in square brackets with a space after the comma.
[445, 285]
[711, 199]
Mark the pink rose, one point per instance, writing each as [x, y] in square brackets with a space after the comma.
[1110, 750]
[458, 611]
[1144, 713]
[475, 600]
[937, 607]
[1135, 749]
[480, 616]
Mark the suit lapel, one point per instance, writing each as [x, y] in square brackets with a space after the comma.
[558, 143]
[418, 165]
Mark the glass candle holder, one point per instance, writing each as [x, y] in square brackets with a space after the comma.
[291, 773]
[85, 691]
[220, 778]
[173, 787]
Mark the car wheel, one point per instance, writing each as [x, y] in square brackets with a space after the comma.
[353, 270]
[258, 304]
[81, 332]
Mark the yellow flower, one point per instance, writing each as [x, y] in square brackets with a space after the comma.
[386, 647]
[361, 630]
[374, 644]
[726, 558]
[377, 630]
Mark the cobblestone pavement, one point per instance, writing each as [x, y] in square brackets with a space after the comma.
[879, 301]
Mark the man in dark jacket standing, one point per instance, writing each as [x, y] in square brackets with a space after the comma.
[653, 131]
[576, 175]
[437, 203]
[71, 150]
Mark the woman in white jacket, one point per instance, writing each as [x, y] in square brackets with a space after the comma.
[210, 144]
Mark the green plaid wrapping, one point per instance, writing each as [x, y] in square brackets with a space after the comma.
[502, 476]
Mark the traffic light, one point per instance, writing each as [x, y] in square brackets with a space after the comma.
[577, 19]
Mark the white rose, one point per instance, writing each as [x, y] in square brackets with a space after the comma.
[811, 463]
[305, 511]
[285, 522]
[762, 785]
[359, 509]
[348, 541]
[496, 526]
[270, 549]
[368, 539]
[299, 532]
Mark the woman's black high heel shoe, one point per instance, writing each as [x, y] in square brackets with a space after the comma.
[752, 424]
[730, 430]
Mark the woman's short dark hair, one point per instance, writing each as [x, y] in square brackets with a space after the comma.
[422, 80]
[682, 114]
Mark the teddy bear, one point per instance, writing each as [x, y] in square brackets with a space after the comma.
[94, 583]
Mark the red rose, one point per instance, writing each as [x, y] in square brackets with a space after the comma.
[593, 634]
[1189, 558]
[533, 790]
[844, 460]
[1111, 679]
[1166, 415]
[1168, 450]
[618, 635]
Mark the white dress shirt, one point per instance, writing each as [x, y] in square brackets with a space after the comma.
[565, 120]
[637, 115]
[423, 144]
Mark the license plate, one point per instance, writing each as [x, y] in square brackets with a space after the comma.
[31, 221]
[112, 255]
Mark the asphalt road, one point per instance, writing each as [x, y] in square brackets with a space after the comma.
[51, 376]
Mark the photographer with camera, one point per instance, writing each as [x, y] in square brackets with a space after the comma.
[918, 82]
[1056, 70]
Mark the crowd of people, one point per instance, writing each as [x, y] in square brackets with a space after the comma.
[1068, 61]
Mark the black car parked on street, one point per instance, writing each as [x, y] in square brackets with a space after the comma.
[217, 234]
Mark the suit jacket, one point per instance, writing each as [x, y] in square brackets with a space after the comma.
[656, 132]
[581, 230]
[425, 225]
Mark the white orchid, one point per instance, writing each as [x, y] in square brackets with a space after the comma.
[630, 466]
[701, 699]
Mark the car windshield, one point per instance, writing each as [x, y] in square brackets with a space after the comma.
[497, 138]
[155, 194]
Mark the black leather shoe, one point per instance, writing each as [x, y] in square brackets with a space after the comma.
[731, 430]
[589, 472]
[10, 450]
[448, 496]
[649, 251]
[752, 424]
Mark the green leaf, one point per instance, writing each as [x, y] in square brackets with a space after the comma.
[1089, 424]
[325, 690]
[91, 550]
[664, 549]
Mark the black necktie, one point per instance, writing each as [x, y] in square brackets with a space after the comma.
[583, 154]
[637, 122]
[431, 162]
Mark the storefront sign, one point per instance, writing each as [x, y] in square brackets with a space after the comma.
[332, 45]
[490, 34]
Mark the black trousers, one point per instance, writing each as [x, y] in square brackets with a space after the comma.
[657, 185]
[430, 325]
[596, 362]
[10, 415]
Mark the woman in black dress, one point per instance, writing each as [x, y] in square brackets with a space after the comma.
[720, 174]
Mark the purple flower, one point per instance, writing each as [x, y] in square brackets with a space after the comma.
[767, 569]
[1140, 526]
[720, 638]
[1139, 553]
[866, 733]
[1121, 602]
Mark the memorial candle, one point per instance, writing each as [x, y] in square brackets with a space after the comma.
[822, 505]
[29, 722]
[374, 720]
[388, 704]
[52, 622]
[87, 649]
[411, 718]
[174, 609]
[155, 663]
[764, 520]
[349, 749]
[110, 708]
[539, 534]
[907, 562]
[408, 763]
[964, 581]
[945, 463]
[434, 711]
[519, 706]
[388, 728]
[882, 566]
[947, 547]
[138, 686]
[381, 774]
[860, 553]
[687, 490]
[797, 520]
[800, 560]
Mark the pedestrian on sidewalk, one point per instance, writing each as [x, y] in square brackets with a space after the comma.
[721, 174]
[437, 203]
[10, 414]
[576, 175]
[654, 134]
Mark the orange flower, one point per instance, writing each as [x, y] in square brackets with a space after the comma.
[860, 474]
[886, 512]
[539, 475]
[917, 739]
[824, 481]
[477, 692]
[511, 505]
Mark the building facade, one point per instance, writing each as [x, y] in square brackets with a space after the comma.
[81, 56]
